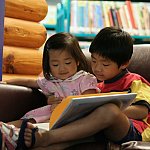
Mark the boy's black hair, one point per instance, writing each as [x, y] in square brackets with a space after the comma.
[114, 44]
[63, 41]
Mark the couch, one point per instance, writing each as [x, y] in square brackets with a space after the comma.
[15, 101]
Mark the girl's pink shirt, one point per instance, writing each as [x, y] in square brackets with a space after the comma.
[74, 85]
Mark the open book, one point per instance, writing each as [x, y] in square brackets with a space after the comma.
[74, 107]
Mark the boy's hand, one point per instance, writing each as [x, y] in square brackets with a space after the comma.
[136, 112]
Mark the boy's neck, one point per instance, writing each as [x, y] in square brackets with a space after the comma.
[117, 77]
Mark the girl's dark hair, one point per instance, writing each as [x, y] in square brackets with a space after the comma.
[114, 44]
[63, 41]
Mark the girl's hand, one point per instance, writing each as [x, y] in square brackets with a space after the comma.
[3, 82]
[53, 100]
[53, 106]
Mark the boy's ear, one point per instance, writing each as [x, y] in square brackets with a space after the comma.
[78, 63]
[125, 65]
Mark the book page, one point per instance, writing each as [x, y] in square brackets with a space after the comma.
[42, 126]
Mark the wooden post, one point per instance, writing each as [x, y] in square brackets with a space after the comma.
[2, 6]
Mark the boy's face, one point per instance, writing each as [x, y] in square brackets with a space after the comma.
[104, 69]
[62, 64]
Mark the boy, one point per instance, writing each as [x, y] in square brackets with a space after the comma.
[111, 51]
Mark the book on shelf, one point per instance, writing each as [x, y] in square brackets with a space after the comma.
[75, 107]
[131, 14]
[105, 9]
[128, 17]
[86, 17]
[146, 18]
[113, 13]
[119, 19]
[91, 16]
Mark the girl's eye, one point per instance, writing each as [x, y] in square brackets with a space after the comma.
[55, 65]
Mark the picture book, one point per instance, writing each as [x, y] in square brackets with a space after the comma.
[75, 107]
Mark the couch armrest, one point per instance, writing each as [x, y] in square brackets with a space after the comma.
[15, 101]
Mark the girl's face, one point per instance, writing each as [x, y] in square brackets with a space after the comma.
[62, 64]
[105, 69]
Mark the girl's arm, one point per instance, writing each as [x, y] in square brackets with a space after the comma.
[136, 112]
[23, 82]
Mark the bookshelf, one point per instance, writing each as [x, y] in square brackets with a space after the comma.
[74, 17]
[1, 34]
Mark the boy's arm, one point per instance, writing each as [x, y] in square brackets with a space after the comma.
[136, 111]
[23, 82]
[141, 106]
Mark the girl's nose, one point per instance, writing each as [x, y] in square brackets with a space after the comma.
[62, 68]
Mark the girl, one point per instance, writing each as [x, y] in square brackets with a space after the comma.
[64, 70]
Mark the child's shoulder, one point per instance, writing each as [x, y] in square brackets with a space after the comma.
[133, 77]
[84, 74]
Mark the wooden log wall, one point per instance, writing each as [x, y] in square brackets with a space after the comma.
[23, 37]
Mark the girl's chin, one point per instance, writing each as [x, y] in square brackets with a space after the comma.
[64, 77]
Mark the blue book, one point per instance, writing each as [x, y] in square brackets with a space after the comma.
[99, 16]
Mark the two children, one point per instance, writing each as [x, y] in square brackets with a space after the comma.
[111, 51]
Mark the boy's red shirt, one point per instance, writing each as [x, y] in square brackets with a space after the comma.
[133, 83]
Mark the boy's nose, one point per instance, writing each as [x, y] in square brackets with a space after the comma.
[98, 68]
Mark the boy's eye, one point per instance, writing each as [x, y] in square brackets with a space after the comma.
[93, 61]
[105, 65]
[67, 63]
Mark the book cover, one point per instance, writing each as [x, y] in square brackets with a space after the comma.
[91, 15]
[114, 17]
[123, 18]
[73, 18]
[131, 14]
[128, 19]
[75, 107]
[105, 9]
[99, 16]
[118, 5]
[80, 16]
[119, 19]
[146, 19]
[111, 17]
[138, 18]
